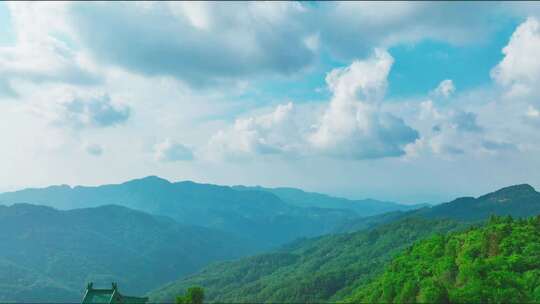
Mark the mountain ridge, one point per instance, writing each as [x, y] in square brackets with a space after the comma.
[255, 214]
[51, 254]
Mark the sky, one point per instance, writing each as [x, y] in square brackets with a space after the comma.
[415, 102]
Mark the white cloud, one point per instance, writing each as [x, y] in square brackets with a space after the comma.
[519, 71]
[182, 40]
[445, 89]
[272, 133]
[353, 125]
[170, 151]
[351, 28]
[39, 55]
[452, 131]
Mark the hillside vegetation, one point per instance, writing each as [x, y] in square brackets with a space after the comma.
[517, 200]
[312, 270]
[498, 263]
[332, 268]
[50, 255]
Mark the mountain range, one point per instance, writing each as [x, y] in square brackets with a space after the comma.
[331, 268]
[152, 235]
[267, 217]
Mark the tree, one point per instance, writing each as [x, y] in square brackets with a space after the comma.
[194, 295]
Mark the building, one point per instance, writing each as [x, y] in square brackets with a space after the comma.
[109, 296]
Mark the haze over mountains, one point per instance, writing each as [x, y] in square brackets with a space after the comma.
[60, 237]
[268, 217]
[151, 234]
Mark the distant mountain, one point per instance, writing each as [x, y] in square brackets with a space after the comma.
[518, 201]
[497, 263]
[270, 217]
[49, 255]
[307, 271]
[300, 198]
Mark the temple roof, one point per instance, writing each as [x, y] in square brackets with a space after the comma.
[109, 296]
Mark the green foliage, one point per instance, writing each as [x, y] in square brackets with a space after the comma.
[313, 270]
[194, 295]
[49, 255]
[497, 263]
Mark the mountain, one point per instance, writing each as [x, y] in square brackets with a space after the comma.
[48, 254]
[498, 263]
[333, 267]
[310, 270]
[517, 201]
[300, 198]
[268, 218]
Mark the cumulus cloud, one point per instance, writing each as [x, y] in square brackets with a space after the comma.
[200, 43]
[171, 151]
[93, 149]
[350, 29]
[82, 112]
[272, 133]
[353, 125]
[182, 39]
[519, 71]
[445, 89]
[38, 55]
[451, 131]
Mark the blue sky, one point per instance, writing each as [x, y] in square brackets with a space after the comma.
[406, 101]
[6, 30]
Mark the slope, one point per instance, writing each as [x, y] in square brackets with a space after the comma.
[498, 263]
[311, 270]
[51, 254]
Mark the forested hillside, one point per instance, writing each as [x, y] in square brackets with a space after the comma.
[517, 200]
[50, 255]
[312, 270]
[331, 268]
[498, 263]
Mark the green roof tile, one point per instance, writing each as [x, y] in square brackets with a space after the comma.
[109, 296]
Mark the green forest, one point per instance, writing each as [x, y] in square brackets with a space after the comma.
[496, 263]
[328, 268]
[337, 267]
